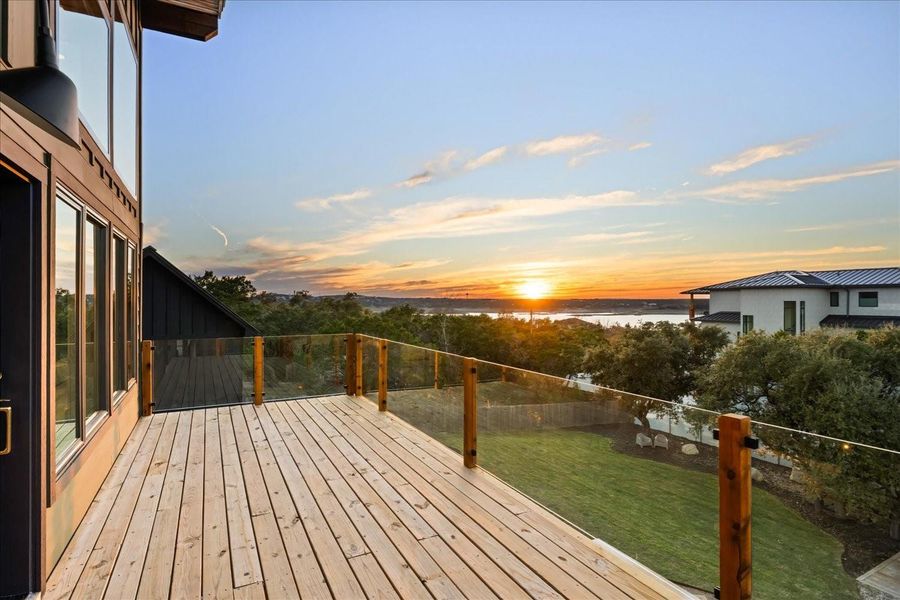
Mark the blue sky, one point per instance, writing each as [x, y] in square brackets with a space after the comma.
[628, 150]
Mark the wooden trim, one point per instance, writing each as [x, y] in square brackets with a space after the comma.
[437, 371]
[734, 508]
[382, 374]
[147, 378]
[350, 365]
[258, 380]
[470, 413]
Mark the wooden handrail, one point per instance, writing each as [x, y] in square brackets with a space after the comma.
[734, 508]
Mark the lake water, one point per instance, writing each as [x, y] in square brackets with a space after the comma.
[605, 319]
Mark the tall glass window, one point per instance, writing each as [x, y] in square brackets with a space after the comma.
[118, 317]
[790, 316]
[802, 316]
[67, 316]
[94, 317]
[83, 39]
[124, 107]
[131, 314]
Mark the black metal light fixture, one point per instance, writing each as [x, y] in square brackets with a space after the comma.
[43, 94]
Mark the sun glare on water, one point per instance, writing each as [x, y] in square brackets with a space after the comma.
[534, 289]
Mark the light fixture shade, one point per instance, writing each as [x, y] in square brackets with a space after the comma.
[46, 97]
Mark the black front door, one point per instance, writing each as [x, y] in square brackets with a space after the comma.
[19, 475]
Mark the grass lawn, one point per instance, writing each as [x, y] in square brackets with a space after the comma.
[662, 515]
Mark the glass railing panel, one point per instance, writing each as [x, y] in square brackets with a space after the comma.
[199, 373]
[425, 388]
[638, 473]
[302, 366]
[370, 347]
[823, 514]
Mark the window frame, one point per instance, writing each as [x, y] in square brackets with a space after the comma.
[803, 316]
[86, 427]
[745, 320]
[118, 394]
[870, 295]
[834, 299]
[131, 311]
[793, 330]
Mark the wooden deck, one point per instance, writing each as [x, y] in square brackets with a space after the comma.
[322, 498]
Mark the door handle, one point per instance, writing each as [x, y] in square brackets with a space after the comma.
[7, 410]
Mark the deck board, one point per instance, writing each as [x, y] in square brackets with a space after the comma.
[321, 498]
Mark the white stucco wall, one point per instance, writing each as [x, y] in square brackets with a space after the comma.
[732, 330]
[888, 302]
[724, 301]
[767, 307]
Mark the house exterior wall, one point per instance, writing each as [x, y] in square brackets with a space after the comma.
[767, 305]
[727, 300]
[88, 173]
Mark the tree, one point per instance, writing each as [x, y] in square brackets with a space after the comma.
[841, 385]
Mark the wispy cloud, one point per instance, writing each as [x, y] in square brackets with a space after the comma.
[415, 180]
[154, 232]
[758, 154]
[842, 225]
[611, 237]
[221, 233]
[577, 161]
[639, 146]
[319, 204]
[764, 189]
[442, 165]
[488, 158]
[562, 144]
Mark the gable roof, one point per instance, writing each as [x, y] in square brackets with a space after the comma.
[876, 277]
[151, 253]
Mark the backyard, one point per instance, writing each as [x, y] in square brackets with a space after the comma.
[662, 515]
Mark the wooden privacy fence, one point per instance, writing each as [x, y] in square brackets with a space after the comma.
[733, 435]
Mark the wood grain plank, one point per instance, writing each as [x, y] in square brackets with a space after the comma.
[276, 568]
[242, 541]
[372, 578]
[188, 566]
[217, 576]
[156, 579]
[276, 463]
[103, 556]
[71, 564]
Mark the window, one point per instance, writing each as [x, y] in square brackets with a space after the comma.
[68, 429]
[747, 323]
[94, 318]
[81, 357]
[4, 20]
[802, 316]
[117, 297]
[835, 298]
[83, 40]
[790, 317]
[868, 299]
[130, 317]
[124, 107]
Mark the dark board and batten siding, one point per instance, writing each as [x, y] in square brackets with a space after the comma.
[174, 307]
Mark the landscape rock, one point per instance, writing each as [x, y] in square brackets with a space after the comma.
[756, 474]
[660, 441]
[797, 475]
[690, 449]
[643, 441]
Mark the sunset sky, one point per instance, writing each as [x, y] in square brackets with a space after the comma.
[583, 150]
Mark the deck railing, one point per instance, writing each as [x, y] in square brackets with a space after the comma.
[668, 484]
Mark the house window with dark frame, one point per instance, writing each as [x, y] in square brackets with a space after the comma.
[117, 297]
[81, 355]
[868, 299]
[790, 317]
[746, 323]
[835, 298]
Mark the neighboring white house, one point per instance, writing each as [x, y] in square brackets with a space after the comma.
[800, 301]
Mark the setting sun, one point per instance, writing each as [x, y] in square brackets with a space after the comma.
[534, 289]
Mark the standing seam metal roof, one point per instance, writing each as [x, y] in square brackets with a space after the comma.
[876, 277]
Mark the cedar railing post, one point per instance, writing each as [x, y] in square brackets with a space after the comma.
[147, 378]
[382, 374]
[359, 367]
[258, 371]
[734, 507]
[470, 413]
[350, 365]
